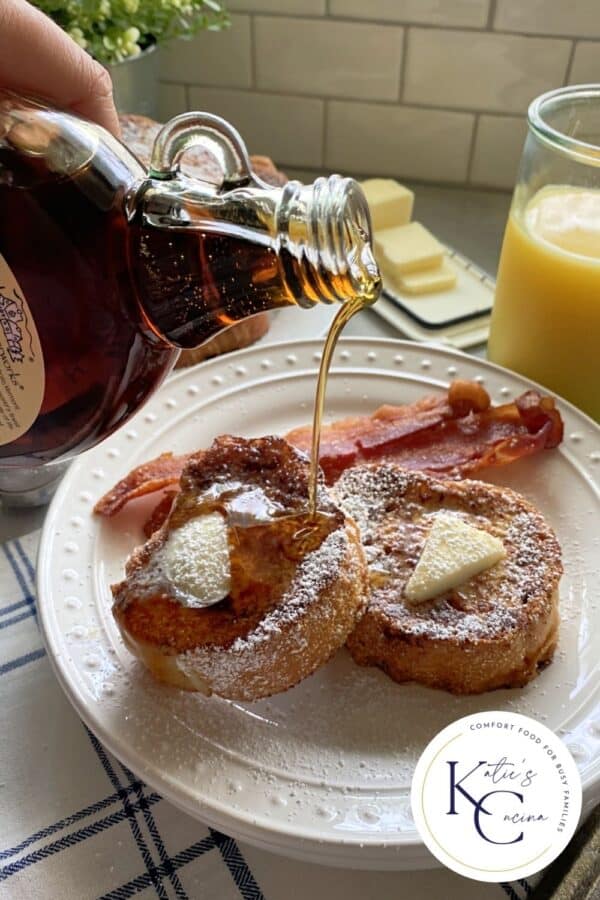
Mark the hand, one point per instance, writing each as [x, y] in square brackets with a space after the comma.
[39, 59]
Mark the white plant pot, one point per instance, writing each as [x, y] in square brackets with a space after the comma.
[135, 83]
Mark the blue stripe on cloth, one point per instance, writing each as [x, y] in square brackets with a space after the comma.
[64, 823]
[238, 868]
[509, 891]
[16, 570]
[12, 607]
[26, 562]
[6, 623]
[154, 834]
[143, 881]
[22, 660]
[69, 840]
[131, 816]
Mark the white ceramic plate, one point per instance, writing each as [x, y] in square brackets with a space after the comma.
[323, 771]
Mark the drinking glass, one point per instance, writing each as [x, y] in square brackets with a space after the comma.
[546, 317]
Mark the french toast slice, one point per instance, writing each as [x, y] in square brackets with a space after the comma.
[295, 588]
[498, 629]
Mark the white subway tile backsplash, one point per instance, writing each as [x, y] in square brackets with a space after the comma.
[498, 146]
[586, 63]
[328, 58]
[282, 7]
[557, 17]
[289, 129]
[458, 13]
[212, 57]
[322, 84]
[489, 72]
[377, 139]
[171, 101]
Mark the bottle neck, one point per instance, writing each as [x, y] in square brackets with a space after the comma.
[325, 227]
[204, 258]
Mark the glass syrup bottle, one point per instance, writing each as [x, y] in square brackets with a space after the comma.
[107, 270]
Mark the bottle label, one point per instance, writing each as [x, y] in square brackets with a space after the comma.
[22, 374]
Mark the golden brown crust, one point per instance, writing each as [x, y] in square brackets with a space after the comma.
[290, 605]
[496, 631]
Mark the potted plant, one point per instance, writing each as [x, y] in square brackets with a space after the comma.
[124, 35]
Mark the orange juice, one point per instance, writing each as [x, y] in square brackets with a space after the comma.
[546, 318]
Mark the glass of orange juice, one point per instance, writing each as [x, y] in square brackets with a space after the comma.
[546, 317]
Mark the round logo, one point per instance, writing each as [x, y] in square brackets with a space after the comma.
[496, 796]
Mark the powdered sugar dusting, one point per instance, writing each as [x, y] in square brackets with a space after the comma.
[253, 656]
[394, 510]
[315, 573]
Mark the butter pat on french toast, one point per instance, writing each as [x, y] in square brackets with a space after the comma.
[237, 593]
[496, 627]
[453, 553]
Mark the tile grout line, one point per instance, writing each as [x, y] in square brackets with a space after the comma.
[491, 15]
[441, 183]
[392, 104]
[472, 149]
[427, 26]
[253, 51]
[403, 63]
[570, 61]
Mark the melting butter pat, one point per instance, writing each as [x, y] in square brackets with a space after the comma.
[196, 560]
[429, 280]
[390, 203]
[407, 248]
[453, 553]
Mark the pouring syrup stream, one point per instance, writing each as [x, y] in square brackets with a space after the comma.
[368, 279]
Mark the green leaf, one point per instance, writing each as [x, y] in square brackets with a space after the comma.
[156, 21]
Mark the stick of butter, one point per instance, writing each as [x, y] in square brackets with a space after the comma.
[452, 554]
[429, 280]
[390, 203]
[407, 248]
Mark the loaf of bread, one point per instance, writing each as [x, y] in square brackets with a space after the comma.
[138, 133]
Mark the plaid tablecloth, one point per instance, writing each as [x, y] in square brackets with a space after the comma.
[76, 823]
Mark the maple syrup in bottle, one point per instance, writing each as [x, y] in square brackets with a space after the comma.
[106, 270]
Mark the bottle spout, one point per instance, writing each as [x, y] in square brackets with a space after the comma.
[326, 229]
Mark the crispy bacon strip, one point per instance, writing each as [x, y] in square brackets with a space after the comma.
[152, 476]
[159, 514]
[452, 435]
